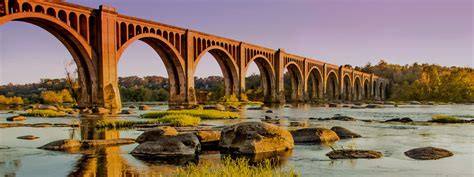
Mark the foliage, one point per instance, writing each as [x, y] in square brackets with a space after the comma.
[43, 113]
[112, 124]
[234, 168]
[203, 114]
[51, 97]
[426, 82]
[72, 81]
[180, 120]
[11, 100]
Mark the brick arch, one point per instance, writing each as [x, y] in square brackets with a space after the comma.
[297, 80]
[346, 82]
[267, 74]
[366, 86]
[173, 61]
[332, 85]
[79, 49]
[316, 76]
[227, 64]
[357, 89]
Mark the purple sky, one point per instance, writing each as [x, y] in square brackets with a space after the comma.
[337, 31]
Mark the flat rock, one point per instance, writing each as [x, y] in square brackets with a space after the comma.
[354, 154]
[156, 133]
[374, 106]
[344, 133]
[403, 120]
[28, 137]
[428, 153]
[126, 111]
[180, 145]
[209, 139]
[16, 118]
[314, 135]
[342, 118]
[68, 144]
[255, 137]
[299, 124]
[143, 107]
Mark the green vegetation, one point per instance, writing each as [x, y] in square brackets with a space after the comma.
[51, 97]
[234, 168]
[180, 120]
[116, 124]
[11, 100]
[446, 119]
[426, 82]
[203, 114]
[43, 113]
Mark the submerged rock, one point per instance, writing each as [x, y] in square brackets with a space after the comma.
[403, 120]
[269, 111]
[156, 133]
[28, 137]
[126, 111]
[344, 133]
[68, 144]
[218, 107]
[180, 145]
[314, 135]
[255, 137]
[415, 102]
[354, 154]
[16, 118]
[374, 106]
[428, 153]
[342, 118]
[299, 124]
[48, 107]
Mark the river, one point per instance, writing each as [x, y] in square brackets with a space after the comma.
[22, 158]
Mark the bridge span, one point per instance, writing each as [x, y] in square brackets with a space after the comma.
[96, 39]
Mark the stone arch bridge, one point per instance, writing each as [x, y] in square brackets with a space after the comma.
[96, 38]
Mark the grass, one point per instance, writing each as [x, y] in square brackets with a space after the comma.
[113, 124]
[446, 119]
[43, 113]
[180, 120]
[203, 114]
[234, 168]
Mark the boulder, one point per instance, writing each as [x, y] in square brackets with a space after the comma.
[344, 133]
[255, 108]
[299, 124]
[255, 137]
[100, 110]
[357, 107]
[415, 102]
[70, 144]
[333, 105]
[218, 107]
[269, 111]
[209, 139]
[374, 106]
[403, 120]
[109, 142]
[28, 137]
[431, 103]
[86, 111]
[62, 145]
[268, 118]
[132, 107]
[428, 153]
[180, 145]
[314, 135]
[156, 133]
[126, 111]
[48, 107]
[143, 107]
[354, 154]
[16, 118]
[342, 118]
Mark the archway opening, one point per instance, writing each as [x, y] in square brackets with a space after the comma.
[259, 80]
[366, 89]
[293, 83]
[49, 73]
[381, 91]
[357, 89]
[215, 77]
[347, 88]
[374, 90]
[315, 86]
[332, 86]
[142, 75]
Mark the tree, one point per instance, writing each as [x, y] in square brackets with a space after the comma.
[51, 97]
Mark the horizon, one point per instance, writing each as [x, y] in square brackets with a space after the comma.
[434, 32]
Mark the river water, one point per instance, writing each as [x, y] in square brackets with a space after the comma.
[22, 158]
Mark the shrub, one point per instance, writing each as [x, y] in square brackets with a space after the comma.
[43, 113]
[11, 100]
[203, 114]
[180, 120]
[112, 124]
[51, 97]
[236, 168]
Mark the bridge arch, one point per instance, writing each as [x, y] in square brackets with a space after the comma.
[366, 88]
[228, 67]
[173, 61]
[296, 76]
[381, 90]
[346, 87]
[316, 78]
[332, 83]
[77, 46]
[357, 91]
[267, 74]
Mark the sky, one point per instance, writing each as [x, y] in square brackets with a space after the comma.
[341, 32]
